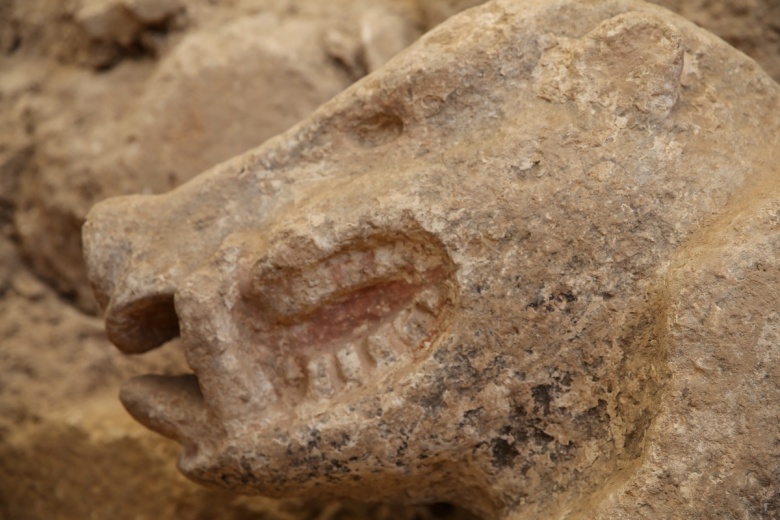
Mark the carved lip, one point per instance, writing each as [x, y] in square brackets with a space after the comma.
[170, 405]
[310, 331]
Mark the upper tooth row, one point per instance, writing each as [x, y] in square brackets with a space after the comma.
[290, 294]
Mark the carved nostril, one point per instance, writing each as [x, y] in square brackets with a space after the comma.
[143, 324]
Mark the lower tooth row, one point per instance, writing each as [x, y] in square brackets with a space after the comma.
[327, 373]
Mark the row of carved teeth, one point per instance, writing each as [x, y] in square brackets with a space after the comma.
[356, 361]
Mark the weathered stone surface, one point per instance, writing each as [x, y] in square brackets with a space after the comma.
[43, 480]
[9, 263]
[106, 20]
[383, 34]
[155, 11]
[99, 135]
[529, 267]
[265, 73]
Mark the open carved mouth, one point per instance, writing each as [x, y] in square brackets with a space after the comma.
[340, 323]
[306, 330]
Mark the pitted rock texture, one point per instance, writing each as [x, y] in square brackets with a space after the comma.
[560, 220]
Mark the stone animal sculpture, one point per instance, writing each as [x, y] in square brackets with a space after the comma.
[529, 267]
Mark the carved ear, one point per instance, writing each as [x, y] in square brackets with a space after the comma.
[630, 62]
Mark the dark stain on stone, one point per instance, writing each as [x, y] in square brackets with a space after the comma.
[340, 443]
[504, 453]
[314, 442]
[543, 397]
[376, 129]
[555, 302]
[471, 416]
[247, 475]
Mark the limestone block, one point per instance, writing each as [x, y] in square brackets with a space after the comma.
[529, 267]
[384, 33]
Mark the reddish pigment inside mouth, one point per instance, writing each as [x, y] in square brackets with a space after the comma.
[361, 309]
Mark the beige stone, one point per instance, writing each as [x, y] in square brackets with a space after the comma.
[224, 91]
[130, 476]
[9, 262]
[383, 34]
[100, 135]
[155, 11]
[529, 267]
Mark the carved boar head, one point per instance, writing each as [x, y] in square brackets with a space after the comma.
[446, 284]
